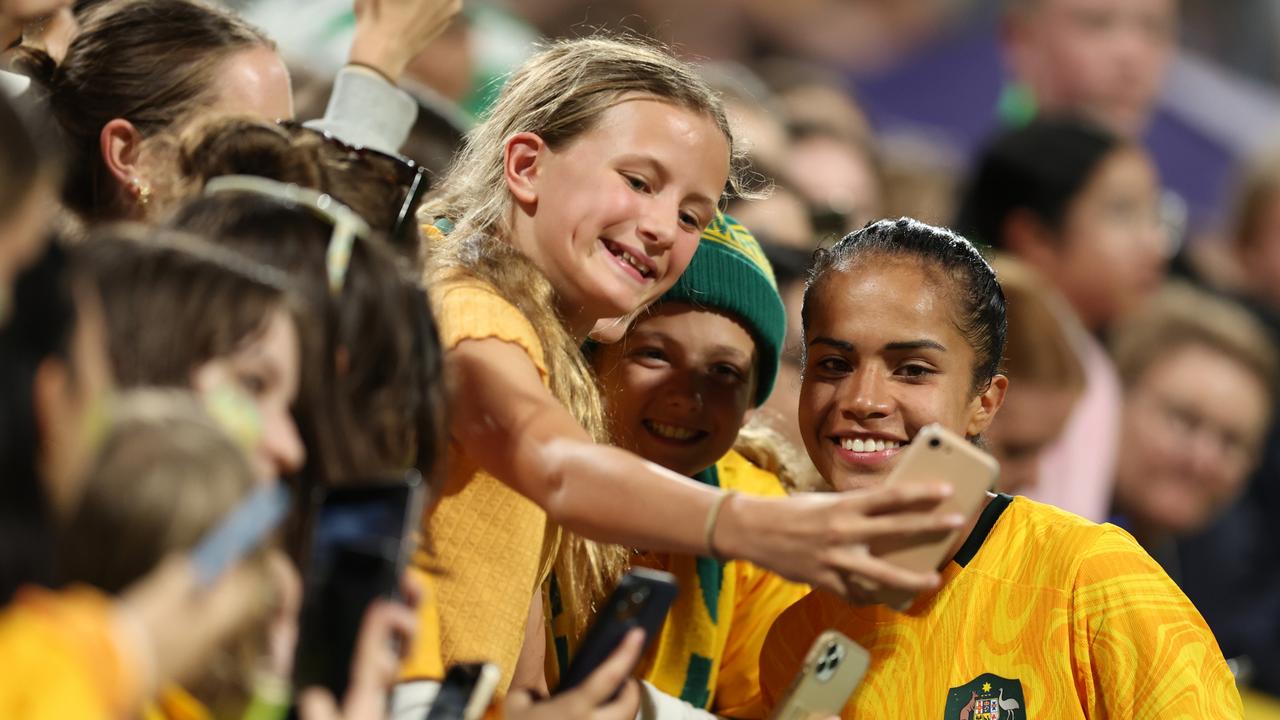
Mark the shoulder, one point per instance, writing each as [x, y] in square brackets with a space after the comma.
[1038, 545]
[472, 309]
[739, 474]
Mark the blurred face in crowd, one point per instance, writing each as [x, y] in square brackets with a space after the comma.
[837, 179]
[71, 398]
[1111, 250]
[1106, 59]
[679, 385]
[885, 357]
[266, 367]
[1031, 418]
[1192, 428]
[783, 217]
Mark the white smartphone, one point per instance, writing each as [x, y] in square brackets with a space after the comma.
[937, 455]
[831, 673]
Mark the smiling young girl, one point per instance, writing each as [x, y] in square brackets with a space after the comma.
[1040, 611]
[680, 386]
[582, 197]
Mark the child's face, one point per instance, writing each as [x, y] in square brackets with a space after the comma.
[613, 218]
[679, 386]
[885, 358]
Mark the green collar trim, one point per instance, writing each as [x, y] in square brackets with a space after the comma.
[982, 529]
[710, 476]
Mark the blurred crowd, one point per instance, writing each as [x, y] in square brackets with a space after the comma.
[257, 242]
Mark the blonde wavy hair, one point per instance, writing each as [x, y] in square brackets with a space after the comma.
[559, 94]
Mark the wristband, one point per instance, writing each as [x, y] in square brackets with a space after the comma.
[713, 518]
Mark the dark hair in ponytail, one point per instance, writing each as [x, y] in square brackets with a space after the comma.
[150, 62]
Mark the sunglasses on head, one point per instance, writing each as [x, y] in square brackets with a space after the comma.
[409, 177]
[347, 225]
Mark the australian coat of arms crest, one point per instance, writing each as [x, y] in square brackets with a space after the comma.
[986, 697]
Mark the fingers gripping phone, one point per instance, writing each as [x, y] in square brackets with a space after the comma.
[830, 674]
[937, 455]
[361, 541]
[641, 599]
[466, 692]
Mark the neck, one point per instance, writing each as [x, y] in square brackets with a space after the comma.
[576, 321]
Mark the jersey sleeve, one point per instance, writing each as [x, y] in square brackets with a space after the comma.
[1141, 650]
[762, 597]
[473, 311]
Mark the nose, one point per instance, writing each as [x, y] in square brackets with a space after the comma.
[281, 446]
[658, 225]
[868, 395]
[685, 395]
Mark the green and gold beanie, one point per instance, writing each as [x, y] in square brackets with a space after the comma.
[729, 273]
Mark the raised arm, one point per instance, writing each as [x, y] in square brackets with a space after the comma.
[504, 418]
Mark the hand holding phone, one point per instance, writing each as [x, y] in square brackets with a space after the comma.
[832, 670]
[936, 455]
[641, 600]
[361, 541]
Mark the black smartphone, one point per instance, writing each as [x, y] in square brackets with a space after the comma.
[361, 539]
[466, 692]
[641, 599]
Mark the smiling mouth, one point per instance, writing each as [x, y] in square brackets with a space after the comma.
[673, 433]
[629, 261]
[866, 452]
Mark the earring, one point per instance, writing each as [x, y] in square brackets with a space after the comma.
[140, 190]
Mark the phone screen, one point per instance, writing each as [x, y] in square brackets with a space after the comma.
[359, 543]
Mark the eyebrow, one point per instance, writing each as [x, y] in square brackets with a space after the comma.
[899, 346]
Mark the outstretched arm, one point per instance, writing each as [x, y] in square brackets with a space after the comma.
[506, 420]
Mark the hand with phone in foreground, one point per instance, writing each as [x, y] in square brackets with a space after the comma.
[590, 700]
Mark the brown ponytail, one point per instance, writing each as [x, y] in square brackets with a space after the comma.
[150, 62]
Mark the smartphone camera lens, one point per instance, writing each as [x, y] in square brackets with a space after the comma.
[934, 442]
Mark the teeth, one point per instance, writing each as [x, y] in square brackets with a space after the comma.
[635, 263]
[869, 445]
[671, 431]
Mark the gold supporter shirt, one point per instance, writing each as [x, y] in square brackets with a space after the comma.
[708, 653]
[1042, 615]
[485, 543]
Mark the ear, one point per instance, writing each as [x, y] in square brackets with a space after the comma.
[1027, 237]
[984, 407]
[121, 147]
[521, 166]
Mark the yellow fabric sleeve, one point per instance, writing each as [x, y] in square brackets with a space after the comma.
[1143, 649]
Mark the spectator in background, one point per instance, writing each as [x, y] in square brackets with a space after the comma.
[1080, 206]
[1046, 379]
[1199, 375]
[837, 176]
[1104, 59]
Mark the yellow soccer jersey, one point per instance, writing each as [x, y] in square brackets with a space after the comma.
[1042, 615]
[708, 653]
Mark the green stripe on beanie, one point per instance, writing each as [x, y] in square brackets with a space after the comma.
[729, 273]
